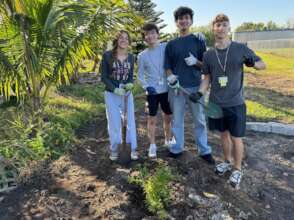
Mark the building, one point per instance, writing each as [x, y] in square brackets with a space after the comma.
[266, 39]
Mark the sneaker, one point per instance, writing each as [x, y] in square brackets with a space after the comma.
[134, 155]
[222, 168]
[208, 158]
[235, 178]
[152, 151]
[113, 156]
[170, 142]
[175, 156]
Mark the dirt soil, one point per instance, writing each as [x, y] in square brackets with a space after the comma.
[86, 185]
[274, 82]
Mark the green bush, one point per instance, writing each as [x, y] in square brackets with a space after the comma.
[27, 136]
[57, 139]
[156, 188]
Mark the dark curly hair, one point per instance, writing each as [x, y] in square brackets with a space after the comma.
[181, 11]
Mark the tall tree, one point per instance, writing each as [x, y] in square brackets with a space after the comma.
[145, 9]
[251, 26]
[42, 41]
[207, 31]
[272, 26]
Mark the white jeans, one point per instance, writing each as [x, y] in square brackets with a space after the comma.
[114, 112]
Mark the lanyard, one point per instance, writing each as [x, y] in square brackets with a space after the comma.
[223, 67]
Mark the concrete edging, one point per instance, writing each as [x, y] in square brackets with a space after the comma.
[271, 127]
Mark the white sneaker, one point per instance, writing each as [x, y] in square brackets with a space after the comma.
[170, 142]
[113, 156]
[134, 155]
[222, 168]
[235, 178]
[152, 151]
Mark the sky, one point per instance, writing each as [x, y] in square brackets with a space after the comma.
[239, 11]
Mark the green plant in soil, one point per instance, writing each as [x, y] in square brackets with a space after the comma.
[156, 188]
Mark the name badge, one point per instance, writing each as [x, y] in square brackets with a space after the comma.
[223, 81]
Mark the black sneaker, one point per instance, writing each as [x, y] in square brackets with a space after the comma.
[173, 155]
[208, 158]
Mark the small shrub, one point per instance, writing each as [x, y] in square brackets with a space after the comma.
[57, 139]
[156, 188]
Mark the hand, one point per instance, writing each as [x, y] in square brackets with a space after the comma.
[249, 61]
[171, 79]
[151, 90]
[129, 86]
[200, 36]
[191, 60]
[195, 96]
[119, 91]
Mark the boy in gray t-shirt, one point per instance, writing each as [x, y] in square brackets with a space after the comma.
[152, 77]
[223, 69]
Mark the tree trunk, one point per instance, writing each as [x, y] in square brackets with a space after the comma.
[96, 61]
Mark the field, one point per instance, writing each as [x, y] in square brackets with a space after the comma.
[80, 182]
[270, 92]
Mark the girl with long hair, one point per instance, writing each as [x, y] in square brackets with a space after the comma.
[117, 67]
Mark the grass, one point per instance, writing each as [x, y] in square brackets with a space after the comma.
[67, 109]
[75, 105]
[278, 61]
[260, 112]
[269, 93]
[282, 52]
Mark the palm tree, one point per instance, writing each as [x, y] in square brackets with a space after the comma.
[42, 41]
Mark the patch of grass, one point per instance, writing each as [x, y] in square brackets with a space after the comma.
[260, 112]
[276, 63]
[281, 52]
[270, 92]
[66, 110]
[87, 93]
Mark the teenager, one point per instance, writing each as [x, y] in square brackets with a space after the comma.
[183, 63]
[117, 68]
[223, 69]
[152, 77]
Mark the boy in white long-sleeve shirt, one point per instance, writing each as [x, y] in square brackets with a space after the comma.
[152, 77]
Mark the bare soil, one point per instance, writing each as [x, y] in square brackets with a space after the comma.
[85, 184]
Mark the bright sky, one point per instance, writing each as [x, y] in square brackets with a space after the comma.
[239, 11]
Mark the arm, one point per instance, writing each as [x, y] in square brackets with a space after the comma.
[196, 61]
[196, 96]
[252, 60]
[141, 72]
[131, 72]
[168, 60]
[203, 49]
[105, 72]
[169, 72]
[204, 84]
[259, 65]
[199, 64]
[171, 77]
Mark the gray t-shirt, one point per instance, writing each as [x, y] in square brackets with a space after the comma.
[232, 93]
[175, 53]
[150, 68]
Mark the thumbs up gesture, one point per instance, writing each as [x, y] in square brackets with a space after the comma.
[191, 60]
